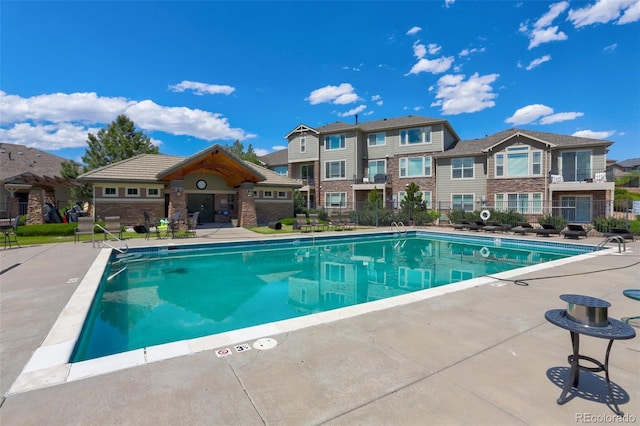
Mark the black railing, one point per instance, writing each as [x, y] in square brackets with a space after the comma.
[580, 175]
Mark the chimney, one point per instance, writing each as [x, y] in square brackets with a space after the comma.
[356, 118]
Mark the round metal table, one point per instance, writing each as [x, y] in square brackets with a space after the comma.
[614, 330]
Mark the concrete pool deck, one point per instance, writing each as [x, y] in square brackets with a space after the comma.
[484, 355]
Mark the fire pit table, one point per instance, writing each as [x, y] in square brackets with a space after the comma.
[588, 315]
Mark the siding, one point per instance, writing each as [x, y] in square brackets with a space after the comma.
[312, 145]
[445, 186]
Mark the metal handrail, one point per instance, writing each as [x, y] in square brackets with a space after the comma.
[399, 227]
[106, 231]
[615, 238]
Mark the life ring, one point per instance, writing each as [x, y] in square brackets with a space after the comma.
[485, 214]
[484, 252]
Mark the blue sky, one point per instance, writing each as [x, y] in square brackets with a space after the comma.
[190, 74]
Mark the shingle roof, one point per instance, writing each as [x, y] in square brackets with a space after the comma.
[384, 124]
[16, 160]
[554, 140]
[277, 158]
[147, 167]
[632, 162]
[141, 168]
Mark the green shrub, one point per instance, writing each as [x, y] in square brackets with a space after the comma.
[557, 221]
[287, 221]
[421, 218]
[46, 229]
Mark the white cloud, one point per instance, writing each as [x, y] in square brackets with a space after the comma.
[538, 61]
[529, 114]
[611, 47]
[341, 95]
[279, 147]
[561, 116]
[377, 99]
[434, 66]
[414, 30]
[59, 120]
[467, 52]
[419, 50]
[593, 134]
[535, 112]
[604, 11]
[261, 151]
[448, 3]
[353, 111]
[542, 31]
[457, 96]
[202, 88]
[434, 48]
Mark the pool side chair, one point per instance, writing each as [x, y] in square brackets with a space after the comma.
[523, 228]
[315, 223]
[10, 232]
[476, 226]
[461, 225]
[574, 231]
[301, 220]
[620, 232]
[113, 225]
[192, 223]
[547, 230]
[85, 227]
[492, 227]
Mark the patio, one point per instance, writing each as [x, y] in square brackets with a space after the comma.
[485, 355]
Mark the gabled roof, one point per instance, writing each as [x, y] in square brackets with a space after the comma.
[387, 124]
[302, 128]
[632, 162]
[19, 163]
[215, 160]
[141, 168]
[277, 158]
[488, 143]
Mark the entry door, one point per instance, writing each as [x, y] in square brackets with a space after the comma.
[202, 203]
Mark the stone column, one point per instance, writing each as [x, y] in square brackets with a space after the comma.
[35, 215]
[177, 199]
[247, 205]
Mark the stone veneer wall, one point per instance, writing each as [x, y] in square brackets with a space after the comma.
[131, 213]
[272, 211]
[511, 185]
[35, 213]
[247, 206]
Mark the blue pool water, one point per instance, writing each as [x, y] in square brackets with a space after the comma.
[184, 292]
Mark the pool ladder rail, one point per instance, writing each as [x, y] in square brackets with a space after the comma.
[121, 250]
[617, 239]
[399, 228]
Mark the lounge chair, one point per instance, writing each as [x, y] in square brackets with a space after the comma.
[113, 225]
[461, 225]
[574, 231]
[492, 227]
[547, 230]
[9, 230]
[301, 220]
[315, 223]
[478, 225]
[191, 225]
[620, 232]
[85, 227]
[523, 228]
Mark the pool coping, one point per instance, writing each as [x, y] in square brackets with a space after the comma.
[49, 364]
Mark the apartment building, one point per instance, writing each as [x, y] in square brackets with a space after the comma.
[339, 164]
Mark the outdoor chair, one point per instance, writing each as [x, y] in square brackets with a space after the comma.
[10, 232]
[113, 226]
[85, 227]
[335, 222]
[461, 225]
[492, 227]
[620, 232]
[148, 225]
[574, 231]
[477, 225]
[547, 230]
[191, 225]
[301, 220]
[315, 223]
[523, 228]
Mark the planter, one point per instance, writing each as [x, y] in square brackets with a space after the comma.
[234, 223]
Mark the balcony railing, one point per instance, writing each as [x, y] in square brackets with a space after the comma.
[588, 175]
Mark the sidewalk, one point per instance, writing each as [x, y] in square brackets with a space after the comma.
[485, 355]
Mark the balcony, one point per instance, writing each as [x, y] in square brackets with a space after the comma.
[307, 184]
[581, 180]
[369, 182]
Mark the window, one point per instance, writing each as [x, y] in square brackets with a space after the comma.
[377, 139]
[335, 272]
[413, 278]
[462, 202]
[282, 194]
[303, 144]
[458, 275]
[334, 142]
[267, 194]
[499, 164]
[524, 203]
[335, 170]
[281, 170]
[153, 192]
[576, 208]
[415, 136]
[306, 172]
[377, 167]
[576, 165]
[110, 192]
[335, 199]
[415, 166]
[519, 161]
[462, 168]
[132, 192]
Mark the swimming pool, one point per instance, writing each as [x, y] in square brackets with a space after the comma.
[158, 295]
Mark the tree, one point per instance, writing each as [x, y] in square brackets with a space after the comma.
[238, 150]
[71, 170]
[118, 142]
[413, 198]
